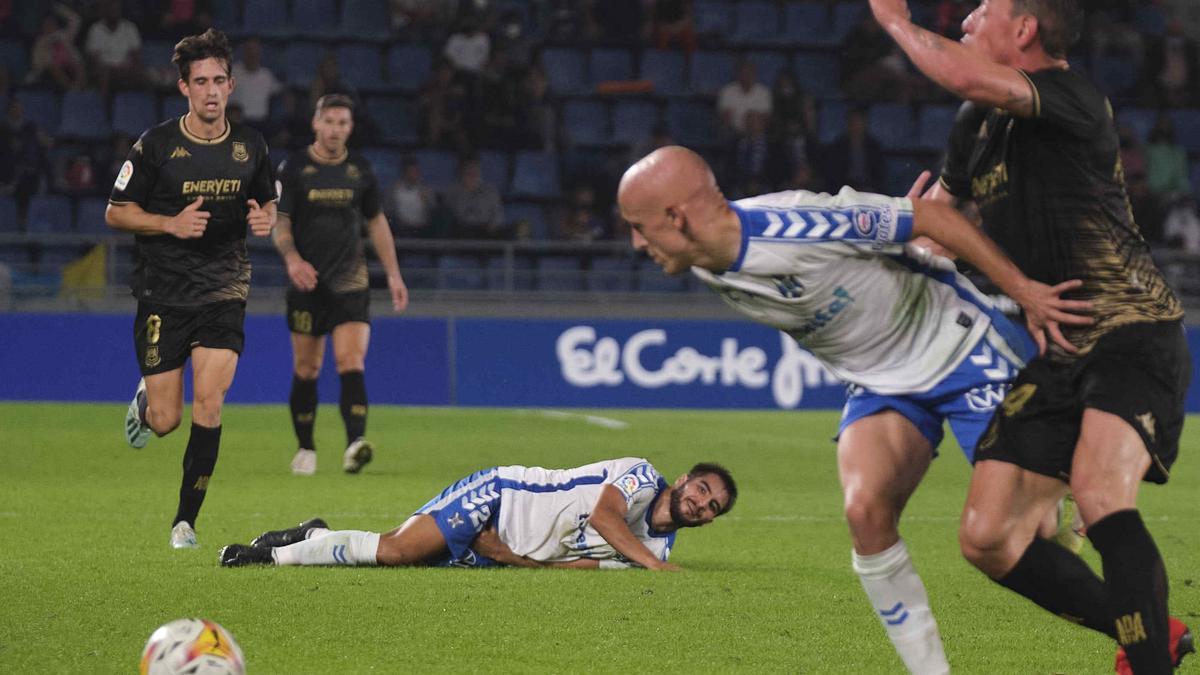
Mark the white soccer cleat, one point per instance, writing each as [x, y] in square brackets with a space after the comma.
[358, 454]
[137, 432]
[305, 462]
[183, 536]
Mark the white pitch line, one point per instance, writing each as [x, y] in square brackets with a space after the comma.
[605, 422]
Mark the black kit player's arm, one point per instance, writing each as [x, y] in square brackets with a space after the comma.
[131, 190]
[300, 272]
[262, 208]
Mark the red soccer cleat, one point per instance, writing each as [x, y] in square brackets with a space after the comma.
[1181, 643]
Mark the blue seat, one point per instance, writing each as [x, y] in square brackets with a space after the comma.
[1115, 74]
[501, 277]
[17, 257]
[302, 61]
[134, 112]
[610, 275]
[565, 69]
[15, 59]
[535, 175]
[395, 118]
[712, 17]
[419, 270]
[611, 64]
[847, 15]
[266, 18]
[711, 71]
[8, 215]
[831, 120]
[157, 52]
[892, 125]
[49, 213]
[361, 65]
[84, 116]
[42, 107]
[385, 162]
[227, 16]
[53, 257]
[1194, 177]
[633, 121]
[90, 216]
[459, 272]
[933, 125]
[818, 74]
[173, 106]
[768, 64]
[439, 168]
[493, 164]
[408, 66]
[652, 279]
[530, 214]
[1141, 120]
[899, 174]
[806, 23]
[666, 69]
[1187, 128]
[692, 123]
[366, 20]
[315, 18]
[585, 121]
[757, 22]
[559, 273]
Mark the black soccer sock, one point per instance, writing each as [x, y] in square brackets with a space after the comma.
[1137, 589]
[303, 403]
[198, 463]
[354, 404]
[1061, 582]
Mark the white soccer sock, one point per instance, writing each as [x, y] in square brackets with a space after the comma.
[338, 547]
[900, 602]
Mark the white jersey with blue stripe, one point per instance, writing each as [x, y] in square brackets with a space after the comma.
[830, 271]
[544, 513]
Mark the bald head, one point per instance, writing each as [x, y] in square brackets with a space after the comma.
[669, 176]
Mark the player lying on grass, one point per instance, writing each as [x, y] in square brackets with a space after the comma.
[613, 514]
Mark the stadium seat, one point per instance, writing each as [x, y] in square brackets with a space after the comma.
[362, 66]
[818, 74]
[565, 70]
[532, 215]
[652, 279]
[395, 118]
[692, 124]
[14, 57]
[611, 64]
[419, 270]
[535, 175]
[1187, 128]
[503, 276]
[633, 121]
[90, 216]
[315, 18]
[134, 112]
[173, 106]
[711, 70]
[266, 18]
[1149, 19]
[845, 17]
[227, 16]
[1115, 74]
[899, 174]
[712, 17]
[933, 126]
[767, 65]
[84, 116]
[157, 53]
[42, 107]
[1141, 120]
[494, 166]
[459, 272]
[366, 20]
[666, 69]
[892, 125]
[831, 120]
[438, 167]
[806, 23]
[1194, 177]
[756, 22]
[51, 258]
[385, 162]
[8, 215]
[559, 273]
[585, 122]
[17, 257]
[610, 275]
[408, 66]
[49, 213]
[302, 59]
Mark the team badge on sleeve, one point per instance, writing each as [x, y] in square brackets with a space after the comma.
[641, 477]
[124, 175]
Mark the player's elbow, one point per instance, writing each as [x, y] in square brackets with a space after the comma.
[110, 216]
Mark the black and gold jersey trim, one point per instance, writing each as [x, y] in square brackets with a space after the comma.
[1037, 98]
[312, 154]
[202, 141]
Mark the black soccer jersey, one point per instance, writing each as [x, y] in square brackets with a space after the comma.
[167, 169]
[1051, 191]
[327, 202]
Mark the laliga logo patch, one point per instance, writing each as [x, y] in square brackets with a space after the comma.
[865, 222]
[124, 175]
[629, 485]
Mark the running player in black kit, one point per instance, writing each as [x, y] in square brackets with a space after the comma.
[188, 190]
[1035, 147]
[326, 193]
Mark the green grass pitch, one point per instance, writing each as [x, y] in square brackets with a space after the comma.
[87, 573]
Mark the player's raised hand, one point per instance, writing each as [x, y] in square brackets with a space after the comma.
[1046, 312]
[399, 293]
[258, 218]
[301, 273]
[888, 10]
[190, 223]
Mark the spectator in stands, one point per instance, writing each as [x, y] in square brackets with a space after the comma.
[55, 60]
[569, 21]
[1166, 162]
[753, 159]
[443, 102]
[536, 112]
[24, 165]
[513, 40]
[793, 146]
[791, 106]
[497, 104]
[660, 137]
[180, 18]
[475, 205]
[468, 48]
[114, 49]
[621, 22]
[743, 95]
[949, 15]
[1145, 211]
[672, 25]
[422, 20]
[580, 221]
[256, 84]
[1111, 33]
[413, 202]
[855, 157]
[803, 177]
[1173, 68]
[1181, 228]
[292, 128]
[872, 68]
[79, 177]
[329, 80]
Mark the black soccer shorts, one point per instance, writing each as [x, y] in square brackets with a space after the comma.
[1139, 372]
[164, 336]
[319, 311]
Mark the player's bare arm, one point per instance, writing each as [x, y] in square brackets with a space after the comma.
[954, 66]
[385, 249]
[300, 272]
[608, 519]
[190, 223]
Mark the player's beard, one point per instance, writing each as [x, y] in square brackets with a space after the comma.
[677, 516]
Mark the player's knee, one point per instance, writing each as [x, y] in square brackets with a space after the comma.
[393, 553]
[163, 422]
[869, 518]
[308, 371]
[983, 545]
[350, 362]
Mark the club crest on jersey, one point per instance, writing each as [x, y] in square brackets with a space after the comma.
[865, 222]
[352, 172]
[240, 154]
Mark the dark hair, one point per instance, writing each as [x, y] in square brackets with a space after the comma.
[721, 472]
[1059, 22]
[334, 101]
[211, 44]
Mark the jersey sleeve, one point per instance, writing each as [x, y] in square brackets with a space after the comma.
[955, 177]
[370, 200]
[138, 174]
[287, 187]
[638, 483]
[1068, 101]
[848, 216]
[262, 185]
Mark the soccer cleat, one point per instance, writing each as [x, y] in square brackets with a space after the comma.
[358, 454]
[1181, 645]
[305, 462]
[288, 536]
[237, 555]
[137, 432]
[183, 536]
[1071, 531]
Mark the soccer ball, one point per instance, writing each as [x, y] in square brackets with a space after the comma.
[194, 647]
